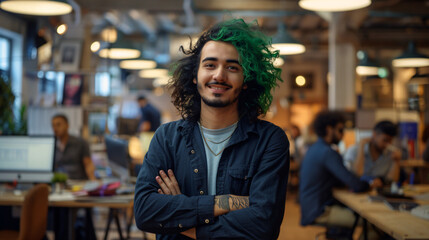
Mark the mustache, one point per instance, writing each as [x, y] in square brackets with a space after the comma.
[219, 83]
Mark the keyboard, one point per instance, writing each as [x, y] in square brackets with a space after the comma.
[421, 211]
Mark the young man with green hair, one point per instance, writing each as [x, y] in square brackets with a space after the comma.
[220, 172]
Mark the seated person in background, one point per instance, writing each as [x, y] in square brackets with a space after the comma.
[72, 154]
[375, 158]
[425, 140]
[322, 169]
[72, 157]
[150, 116]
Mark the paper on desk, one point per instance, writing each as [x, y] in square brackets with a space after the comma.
[61, 196]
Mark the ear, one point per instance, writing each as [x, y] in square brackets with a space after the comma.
[244, 86]
[194, 81]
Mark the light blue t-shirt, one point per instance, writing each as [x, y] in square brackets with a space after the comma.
[217, 139]
[378, 168]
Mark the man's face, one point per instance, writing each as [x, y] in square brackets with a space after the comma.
[60, 127]
[220, 76]
[381, 141]
[338, 133]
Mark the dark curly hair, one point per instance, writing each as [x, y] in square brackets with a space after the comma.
[255, 57]
[327, 118]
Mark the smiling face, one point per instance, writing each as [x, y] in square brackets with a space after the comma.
[220, 75]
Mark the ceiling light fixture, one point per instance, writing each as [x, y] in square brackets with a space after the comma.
[285, 43]
[366, 66]
[419, 79]
[153, 73]
[411, 58]
[62, 29]
[333, 5]
[137, 64]
[120, 50]
[37, 7]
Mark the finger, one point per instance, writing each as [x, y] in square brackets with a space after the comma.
[160, 191]
[174, 181]
[168, 182]
[163, 186]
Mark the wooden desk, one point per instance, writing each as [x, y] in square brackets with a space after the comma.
[414, 163]
[8, 198]
[399, 225]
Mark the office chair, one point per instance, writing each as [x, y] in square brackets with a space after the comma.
[34, 216]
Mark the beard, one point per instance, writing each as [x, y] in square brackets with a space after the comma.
[336, 140]
[217, 102]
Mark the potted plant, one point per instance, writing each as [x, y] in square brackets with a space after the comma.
[9, 123]
[59, 181]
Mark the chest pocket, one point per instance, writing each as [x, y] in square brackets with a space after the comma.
[241, 178]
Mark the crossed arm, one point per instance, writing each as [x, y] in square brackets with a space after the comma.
[223, 203]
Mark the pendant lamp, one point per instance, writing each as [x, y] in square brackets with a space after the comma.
[121, 49]
[137, 64]
[285, 43]
[37, 7]
[411, 58]
[333, 5]
[153, 73]
[366, 66]
[419, 79]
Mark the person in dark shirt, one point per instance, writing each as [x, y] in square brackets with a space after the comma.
[150, 116]
[425, 140]
[322, 169]
[220, 172]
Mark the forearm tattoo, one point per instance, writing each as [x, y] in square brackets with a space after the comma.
[237, 202]
[222, 202]
[240, 202]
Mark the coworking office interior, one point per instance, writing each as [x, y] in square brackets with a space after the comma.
[91, 61]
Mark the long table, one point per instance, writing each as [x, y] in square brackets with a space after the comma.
[399, 225]
[10, 198]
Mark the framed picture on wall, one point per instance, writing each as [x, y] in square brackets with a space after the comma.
[69, 55]
[72, 93]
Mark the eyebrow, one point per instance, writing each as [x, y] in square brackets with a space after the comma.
[215, 59]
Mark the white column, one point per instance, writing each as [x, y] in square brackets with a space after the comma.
[341, 89]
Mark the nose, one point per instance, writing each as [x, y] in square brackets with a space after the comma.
[219, 75]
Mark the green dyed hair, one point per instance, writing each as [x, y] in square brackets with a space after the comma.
[255, 58]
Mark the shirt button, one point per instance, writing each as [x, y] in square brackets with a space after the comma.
[196, 170]
[201, 192]
[160, 224]
[207, 221]
[180, 225]
[192, 151]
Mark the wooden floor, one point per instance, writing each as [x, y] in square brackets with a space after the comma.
[290, 229]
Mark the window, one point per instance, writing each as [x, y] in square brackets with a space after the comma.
[5, 57]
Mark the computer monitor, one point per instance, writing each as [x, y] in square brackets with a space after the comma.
[26, 159]
[127, 126]
[118, 157]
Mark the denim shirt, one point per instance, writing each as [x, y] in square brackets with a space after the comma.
[321, 170]
[255, 163]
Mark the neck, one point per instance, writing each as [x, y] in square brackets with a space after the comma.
[327, 139]
[63, 139]
[216, 118]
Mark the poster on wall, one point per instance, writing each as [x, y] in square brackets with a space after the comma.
[72, 93]
[69, 55]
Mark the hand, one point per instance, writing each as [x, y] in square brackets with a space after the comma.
[376, 183]
[363, 142]
[168, 183]
[396, 156]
